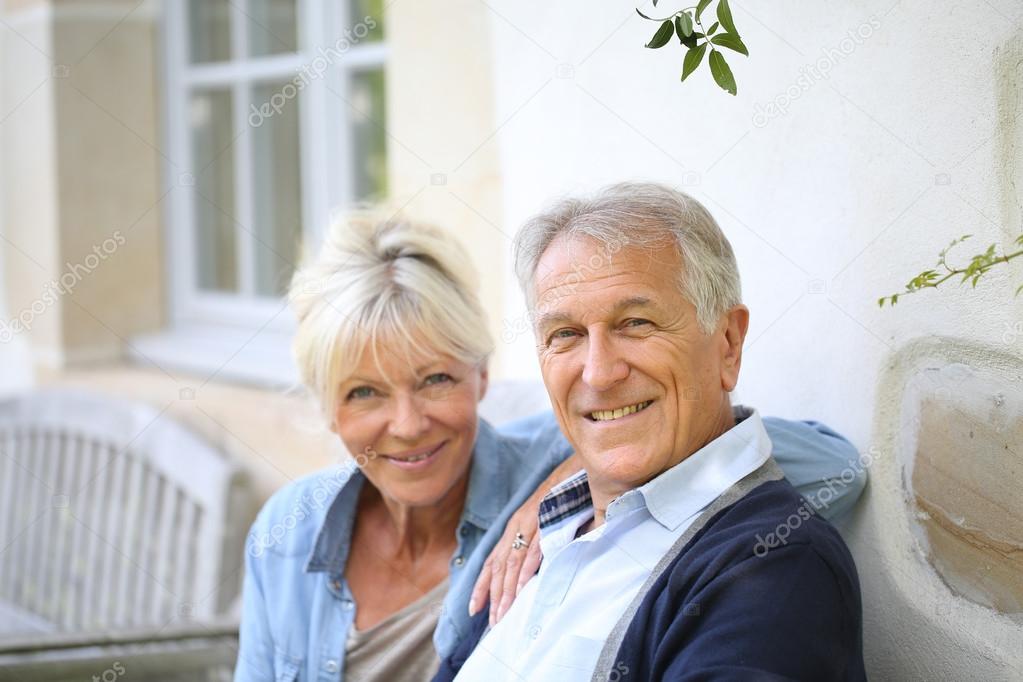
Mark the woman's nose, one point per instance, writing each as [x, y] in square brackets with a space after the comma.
[409, 421]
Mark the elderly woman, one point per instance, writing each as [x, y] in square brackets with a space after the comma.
[366, 570]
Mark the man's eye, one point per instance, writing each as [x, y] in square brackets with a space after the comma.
[563, 334]
[361, 392]
[636, 322]
[438, 378]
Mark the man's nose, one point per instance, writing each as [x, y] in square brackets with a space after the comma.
[408, 421]
[605, 365]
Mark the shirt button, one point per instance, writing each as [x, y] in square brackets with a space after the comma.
[347, 604]
[459, 560]
[534, 632]
[464, 530]
[331, 666]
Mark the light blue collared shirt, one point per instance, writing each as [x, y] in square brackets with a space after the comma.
[557, 626]
[297, 609]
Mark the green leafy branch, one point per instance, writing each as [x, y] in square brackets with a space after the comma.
[687, 24]
[978, 266]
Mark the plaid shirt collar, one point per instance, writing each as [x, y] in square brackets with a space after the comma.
[572, 495]
[565, 499]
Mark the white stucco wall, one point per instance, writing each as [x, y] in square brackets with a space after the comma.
[911, 138]
[15, 367]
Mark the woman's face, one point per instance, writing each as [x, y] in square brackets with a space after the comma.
[411, 427]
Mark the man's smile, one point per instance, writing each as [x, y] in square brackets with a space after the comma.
[618, 412]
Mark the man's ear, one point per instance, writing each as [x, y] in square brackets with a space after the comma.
[736, 324]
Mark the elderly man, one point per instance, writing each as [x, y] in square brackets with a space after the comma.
[654, 561]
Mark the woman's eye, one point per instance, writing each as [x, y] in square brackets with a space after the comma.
[360, 392]
[438, 378]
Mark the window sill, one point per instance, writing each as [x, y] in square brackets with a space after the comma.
[220, 353]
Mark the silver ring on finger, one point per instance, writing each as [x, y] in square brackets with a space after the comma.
[519, 542]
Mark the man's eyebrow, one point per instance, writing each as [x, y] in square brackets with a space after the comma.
[550, 318]
[633, 302]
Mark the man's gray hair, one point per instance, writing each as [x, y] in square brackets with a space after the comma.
[647, 215]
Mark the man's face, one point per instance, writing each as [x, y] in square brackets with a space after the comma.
[636, 385]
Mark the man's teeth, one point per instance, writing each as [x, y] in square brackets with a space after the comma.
[609, 415]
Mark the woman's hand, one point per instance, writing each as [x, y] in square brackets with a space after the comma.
[507, 570]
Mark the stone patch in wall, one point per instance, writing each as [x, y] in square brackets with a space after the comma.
[965, 481]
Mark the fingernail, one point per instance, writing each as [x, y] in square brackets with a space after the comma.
[472, 607]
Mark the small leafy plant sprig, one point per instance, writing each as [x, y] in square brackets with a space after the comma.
[972, 272]
[687, 24]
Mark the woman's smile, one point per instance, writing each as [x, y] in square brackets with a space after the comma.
[416, 460]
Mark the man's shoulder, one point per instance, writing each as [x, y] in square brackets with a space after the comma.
[770, 517]
[764, 586]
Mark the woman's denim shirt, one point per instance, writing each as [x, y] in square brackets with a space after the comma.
[297, 608]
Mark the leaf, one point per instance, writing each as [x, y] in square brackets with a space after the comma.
[702, 5]
[895, 299]
[731, 41]
[644, 16]
[655, 3]
[683, 26]
[880, 302]
[713, 27]
[725, 17]
[1019, 290]
[722, 74]
[692, 60]
[663, 35]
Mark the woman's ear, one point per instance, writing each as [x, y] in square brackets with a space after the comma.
[484, 381]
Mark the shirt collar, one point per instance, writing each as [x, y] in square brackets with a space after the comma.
[482, 505]
[489, 482]
[334, 537]
[681, 491]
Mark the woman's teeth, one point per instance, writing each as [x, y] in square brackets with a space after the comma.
[610, 415]
[414, 458]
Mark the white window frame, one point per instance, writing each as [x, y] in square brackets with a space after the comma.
[239, 336]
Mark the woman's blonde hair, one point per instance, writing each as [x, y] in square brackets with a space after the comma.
[383, 279]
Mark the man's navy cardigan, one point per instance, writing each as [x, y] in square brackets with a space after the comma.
[759, 588]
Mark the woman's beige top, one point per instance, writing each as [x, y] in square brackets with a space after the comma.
[400, 647]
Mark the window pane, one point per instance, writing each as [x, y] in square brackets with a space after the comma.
[210, 118]
[276, 192]
[366, 20]
[272, 27]
[370, 141]
[209, 30]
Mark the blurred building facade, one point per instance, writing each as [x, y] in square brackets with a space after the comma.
[164, 164]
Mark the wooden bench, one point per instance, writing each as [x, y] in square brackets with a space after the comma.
[114, 520]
